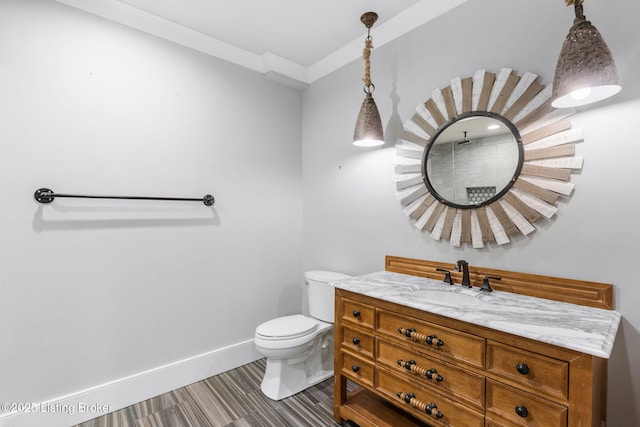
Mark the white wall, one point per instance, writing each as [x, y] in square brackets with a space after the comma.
[92, 292]
[352, 219]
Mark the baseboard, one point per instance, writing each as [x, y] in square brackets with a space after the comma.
[90, 403]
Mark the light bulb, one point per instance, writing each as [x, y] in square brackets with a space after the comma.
[581, 94]
[368, 143]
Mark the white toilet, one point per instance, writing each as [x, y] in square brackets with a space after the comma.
[299, 349]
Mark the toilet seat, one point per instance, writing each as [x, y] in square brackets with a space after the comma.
[287, 328]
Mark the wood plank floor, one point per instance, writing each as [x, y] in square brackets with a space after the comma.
[231, 399]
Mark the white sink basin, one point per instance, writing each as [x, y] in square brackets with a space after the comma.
[452, 299]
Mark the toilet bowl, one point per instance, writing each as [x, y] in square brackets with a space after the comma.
[298, 348]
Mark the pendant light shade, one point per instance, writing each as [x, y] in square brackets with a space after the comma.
[368, 131]
[585, 71]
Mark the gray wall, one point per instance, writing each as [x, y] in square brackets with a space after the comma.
[95, 291]
[352, 218]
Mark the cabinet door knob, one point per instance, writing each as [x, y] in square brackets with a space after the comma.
[356, 313]
[522, 368]
[356, 341]
[355, 368]
[522, 411]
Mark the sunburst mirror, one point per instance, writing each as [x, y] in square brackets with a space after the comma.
[485, 158]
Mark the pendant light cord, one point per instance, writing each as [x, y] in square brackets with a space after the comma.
[578, 8]
[366, 54]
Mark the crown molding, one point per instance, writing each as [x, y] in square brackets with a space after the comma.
[272, 66]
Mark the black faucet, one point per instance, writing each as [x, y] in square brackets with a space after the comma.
[463, 266]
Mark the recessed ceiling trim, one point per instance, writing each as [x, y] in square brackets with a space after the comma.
[273, 66]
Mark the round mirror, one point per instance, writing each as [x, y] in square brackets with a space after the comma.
[473, 160]
[460, 181]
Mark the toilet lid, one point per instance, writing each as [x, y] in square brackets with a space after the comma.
[287, 327]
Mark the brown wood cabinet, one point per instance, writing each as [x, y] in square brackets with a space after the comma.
[416, 368]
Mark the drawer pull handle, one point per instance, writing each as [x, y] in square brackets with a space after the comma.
[406, 331]
[355, 341]
[432, 374]
[355, 368]
[407, 364]
[356, 313]
[411, 365]
[418, 337]
[410, 399]
[522, 411]
[522, 368]
[433, 339]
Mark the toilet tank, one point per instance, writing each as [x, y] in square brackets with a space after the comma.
[320, 293]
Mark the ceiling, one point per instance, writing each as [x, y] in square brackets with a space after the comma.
[294, 42]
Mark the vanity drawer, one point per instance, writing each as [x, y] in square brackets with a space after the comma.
[357, 341]
[439, 340]
[542, 373]
[357, 313]
[452, 381]
[358, 369]
[453, 413]
[521, 408]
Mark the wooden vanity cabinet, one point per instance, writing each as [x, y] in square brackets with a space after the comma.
[466, 376]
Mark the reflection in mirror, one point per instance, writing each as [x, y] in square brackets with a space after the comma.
[473, 160]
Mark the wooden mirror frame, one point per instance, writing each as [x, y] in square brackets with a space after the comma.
[548, 141]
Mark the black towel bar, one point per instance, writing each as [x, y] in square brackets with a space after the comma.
[45, 195]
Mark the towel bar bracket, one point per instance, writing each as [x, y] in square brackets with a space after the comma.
[43, 195]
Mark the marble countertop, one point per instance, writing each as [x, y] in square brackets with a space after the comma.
[575, 327]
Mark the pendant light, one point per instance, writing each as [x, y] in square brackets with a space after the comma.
[368, 130]
[585, 71]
